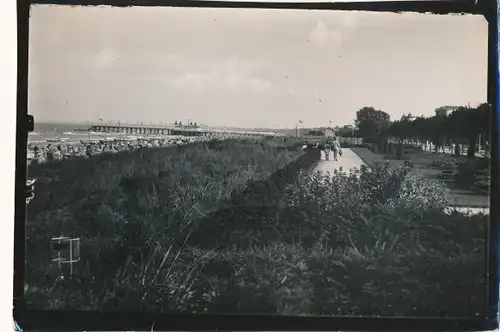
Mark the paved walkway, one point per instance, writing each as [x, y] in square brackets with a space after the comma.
[469, 210]
[347, 161]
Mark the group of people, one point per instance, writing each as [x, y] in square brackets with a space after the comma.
[40, 153]
[327, 146]
[332, 145]
[49, 152]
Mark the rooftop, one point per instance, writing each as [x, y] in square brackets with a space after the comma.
[447, 108]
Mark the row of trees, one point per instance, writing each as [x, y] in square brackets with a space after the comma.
[465, 126]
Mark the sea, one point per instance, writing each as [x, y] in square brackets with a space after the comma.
[53, 133]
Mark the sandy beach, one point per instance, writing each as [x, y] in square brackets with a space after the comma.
[64, 149]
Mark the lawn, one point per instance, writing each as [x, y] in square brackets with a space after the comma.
[246, 227]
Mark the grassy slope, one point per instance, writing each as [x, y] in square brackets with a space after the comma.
[202, 237]
[133, 199]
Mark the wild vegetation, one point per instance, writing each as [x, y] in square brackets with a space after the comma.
[246, 227]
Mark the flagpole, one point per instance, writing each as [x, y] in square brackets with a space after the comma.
[297, 128]
[105, 127]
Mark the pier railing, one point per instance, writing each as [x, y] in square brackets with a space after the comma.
[152, 129]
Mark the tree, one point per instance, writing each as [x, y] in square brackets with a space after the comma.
[372, 123]
[402, 128]
[457, 121]
[420, 130]
[175, 123]
[437, 129]
[484, 122]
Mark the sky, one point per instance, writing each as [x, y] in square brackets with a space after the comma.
[249, 67]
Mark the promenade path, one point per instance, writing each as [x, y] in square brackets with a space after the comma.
[350, 159]
[347, 161]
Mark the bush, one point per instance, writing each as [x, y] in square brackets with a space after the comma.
[469, 170]
[443, 164]
[368, 242]
[371, 242]
[345, 202]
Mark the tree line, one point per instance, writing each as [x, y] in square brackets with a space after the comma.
[464, 126]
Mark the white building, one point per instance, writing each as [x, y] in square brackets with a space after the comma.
[329, 132]
[445, 110]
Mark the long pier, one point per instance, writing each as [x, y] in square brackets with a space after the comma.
[171, 130]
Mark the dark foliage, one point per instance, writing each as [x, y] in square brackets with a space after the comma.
[246, 227]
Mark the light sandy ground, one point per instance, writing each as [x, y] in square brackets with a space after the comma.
[469, 210]
[349, 160]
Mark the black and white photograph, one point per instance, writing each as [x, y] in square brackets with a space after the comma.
[257, 161]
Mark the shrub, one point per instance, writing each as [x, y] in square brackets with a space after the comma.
[469, 170]
[365, 242]
[343, 203]
[377, 233]
[443, 164]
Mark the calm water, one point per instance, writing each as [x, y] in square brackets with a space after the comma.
[46, 133]
[53, 133]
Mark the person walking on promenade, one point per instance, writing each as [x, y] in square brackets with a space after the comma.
[327, 149]
[336, 148]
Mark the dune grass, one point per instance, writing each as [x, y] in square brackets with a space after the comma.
[246, 227]
[121, 204]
